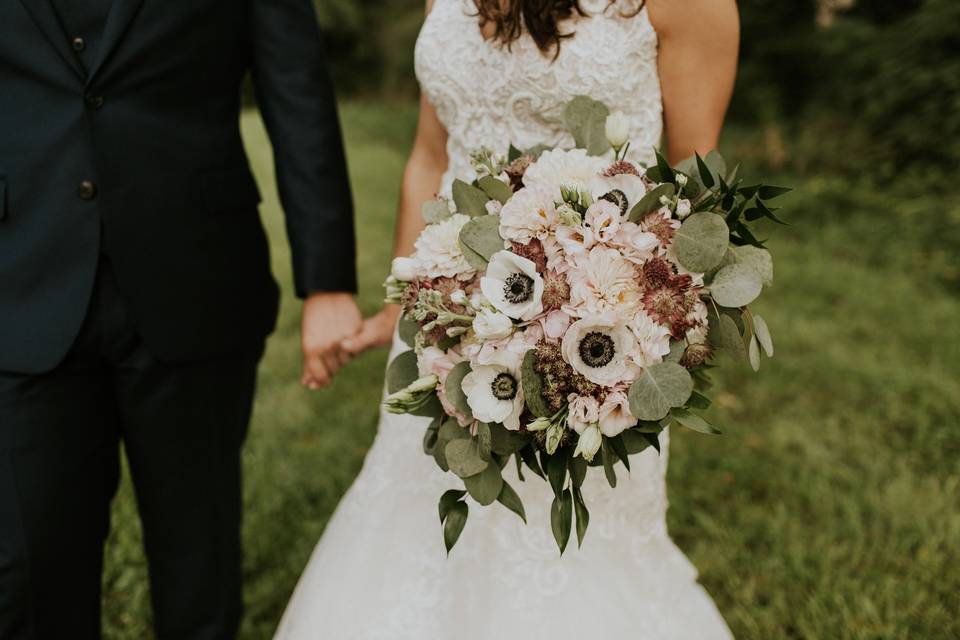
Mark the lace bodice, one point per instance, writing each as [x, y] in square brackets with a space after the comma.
[488, 95]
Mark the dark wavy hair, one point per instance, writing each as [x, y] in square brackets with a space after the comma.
[540, 18]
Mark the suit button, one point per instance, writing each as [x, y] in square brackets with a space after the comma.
[87, 190]
[78, 44]
[94, 102]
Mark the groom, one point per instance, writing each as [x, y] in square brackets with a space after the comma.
[135, 289]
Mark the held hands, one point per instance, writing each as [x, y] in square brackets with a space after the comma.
[333, 332]
[377, 331]
[327, 319]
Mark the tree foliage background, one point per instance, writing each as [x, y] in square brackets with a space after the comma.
[879, 79]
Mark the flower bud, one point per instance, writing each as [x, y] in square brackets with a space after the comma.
[405, 269]
[589, 443]
[459, 297]
[618, 129]
[540, 424]
[683, 208]
[681, 180]
[492, 325]
[554, 438]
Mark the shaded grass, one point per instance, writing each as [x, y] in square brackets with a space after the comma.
[829, 509]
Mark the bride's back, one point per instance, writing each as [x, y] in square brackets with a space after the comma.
[487, 93]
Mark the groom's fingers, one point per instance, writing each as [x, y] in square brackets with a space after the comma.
[316, 371]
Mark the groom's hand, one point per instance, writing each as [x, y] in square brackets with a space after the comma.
[328, 318]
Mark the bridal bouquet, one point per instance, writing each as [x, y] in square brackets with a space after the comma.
[566, 307]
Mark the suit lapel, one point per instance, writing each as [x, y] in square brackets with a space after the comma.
[45, 16]
[121, 15]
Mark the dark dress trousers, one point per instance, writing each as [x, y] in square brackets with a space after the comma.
[135, 289]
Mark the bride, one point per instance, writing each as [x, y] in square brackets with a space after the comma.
[502, 70]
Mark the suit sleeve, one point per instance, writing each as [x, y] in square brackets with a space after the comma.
[298, 105]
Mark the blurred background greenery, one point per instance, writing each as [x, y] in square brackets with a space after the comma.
[831, 506]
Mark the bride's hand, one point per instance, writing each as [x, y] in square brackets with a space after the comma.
[376, 331]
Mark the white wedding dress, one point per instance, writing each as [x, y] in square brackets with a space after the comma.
[381, 572]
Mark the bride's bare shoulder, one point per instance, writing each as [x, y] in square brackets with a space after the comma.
[429, 5]
[693, 17]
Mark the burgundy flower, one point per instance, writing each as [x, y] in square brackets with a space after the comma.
[532, 251]
[621, 167]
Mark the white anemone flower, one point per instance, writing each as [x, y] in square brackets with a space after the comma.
[600, 348]
[513, 286]
[494, 394]
[624, 190]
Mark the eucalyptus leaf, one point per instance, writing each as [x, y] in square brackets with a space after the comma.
[762, 332]
[469, 199]
[651, 202]
[583, 516]
[408, 328]
[736, 285]
[533, 386]
[402, 372]
[435, 211]
[756, 258]
[496, 189]
[463, 458]
[753, 351]
[659, 389]
[484, 440]
[701, 242]
[447, 500]
[430, 409]
[677, 349]
[454, 524]
[586, 119]
[511, 500]
[725, 335]
[505, 442]
[693, 421]
[561, 519]
[485, 486]
[482, 237]
[431, 436]
[453, 389]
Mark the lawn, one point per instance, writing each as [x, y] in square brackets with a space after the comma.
[830, 508]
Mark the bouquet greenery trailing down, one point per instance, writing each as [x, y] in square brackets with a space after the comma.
[566, 307]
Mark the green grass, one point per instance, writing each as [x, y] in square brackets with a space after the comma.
[829, 509]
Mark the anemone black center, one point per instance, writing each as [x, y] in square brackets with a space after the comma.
[618, 198]
[504, 387]
[518, 288]
[597, 349]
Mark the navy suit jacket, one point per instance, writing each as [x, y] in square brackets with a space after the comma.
[138, 159]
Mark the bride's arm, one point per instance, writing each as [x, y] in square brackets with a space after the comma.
[421, 182]
[699, 45]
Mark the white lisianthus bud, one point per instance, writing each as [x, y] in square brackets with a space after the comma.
[681, 180]
[589, 443]
[665, 201]
[568, 215]
[554, 437]
[405, 269]
[459, 297]
[426, 383]
[492, 325]
[540, 424]
[618, 129]
[683, 208]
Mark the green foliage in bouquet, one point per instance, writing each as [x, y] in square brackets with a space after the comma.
[716, 208]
